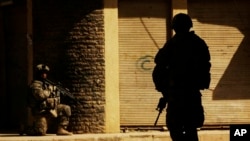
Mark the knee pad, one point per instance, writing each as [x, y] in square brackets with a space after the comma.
[67, 110]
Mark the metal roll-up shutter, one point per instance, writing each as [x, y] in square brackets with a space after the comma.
[142, 31]
[224, 25]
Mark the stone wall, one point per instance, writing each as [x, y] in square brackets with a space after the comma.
[69, 37]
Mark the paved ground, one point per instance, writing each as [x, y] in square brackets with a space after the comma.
[204, 135]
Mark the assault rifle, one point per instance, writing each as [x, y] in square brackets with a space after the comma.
[161, 105]
[63, 91]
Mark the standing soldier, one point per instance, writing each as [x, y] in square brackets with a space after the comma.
[182, 70]
[44, 101]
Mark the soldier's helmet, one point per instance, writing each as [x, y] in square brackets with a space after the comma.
[42, 68]
[181, 23]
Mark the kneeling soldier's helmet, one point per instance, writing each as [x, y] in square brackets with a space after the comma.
[42, 68]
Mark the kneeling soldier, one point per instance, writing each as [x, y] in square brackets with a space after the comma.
[44, 101]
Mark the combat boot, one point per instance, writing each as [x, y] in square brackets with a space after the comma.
[62, 131]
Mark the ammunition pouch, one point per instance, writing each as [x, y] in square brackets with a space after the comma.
[49, 103]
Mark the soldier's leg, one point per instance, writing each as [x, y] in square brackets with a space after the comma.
[177, 133]
[39, 127]
[174, 122]
[64, 113]
[191, 134]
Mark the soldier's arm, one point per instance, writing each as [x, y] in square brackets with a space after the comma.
[38, 91]
[205, 65]
[161, 55]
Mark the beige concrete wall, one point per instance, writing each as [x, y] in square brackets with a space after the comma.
[112, 109]
[179, 6]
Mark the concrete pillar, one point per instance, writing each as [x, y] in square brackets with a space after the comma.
[112, 110]
[179, 6]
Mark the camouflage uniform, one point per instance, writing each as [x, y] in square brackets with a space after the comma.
[44, 101]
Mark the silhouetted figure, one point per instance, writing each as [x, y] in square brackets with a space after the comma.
[182, 70]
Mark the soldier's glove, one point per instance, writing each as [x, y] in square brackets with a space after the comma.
[50, 103]
[162, 104]
[52, 88]
[46, 93]
[53, 112]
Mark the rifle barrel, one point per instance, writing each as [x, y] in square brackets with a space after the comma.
[157, 118]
